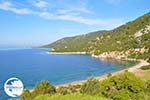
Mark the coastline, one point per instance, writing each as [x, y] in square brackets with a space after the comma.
[66, 53]
[132, 69]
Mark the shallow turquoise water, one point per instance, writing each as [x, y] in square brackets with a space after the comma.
[34, 65]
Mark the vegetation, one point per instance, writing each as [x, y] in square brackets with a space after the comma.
[26, 95]
[123, 86]
[122, 39]
[74, 44]
[145, 67]
[147, 89]
[40, 89]
[69, 89]
[73, 96]
[44, 88]
[91, 87]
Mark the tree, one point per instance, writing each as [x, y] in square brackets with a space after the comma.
[124, 86]
[26, 95]
[44, 88]
[91, 87]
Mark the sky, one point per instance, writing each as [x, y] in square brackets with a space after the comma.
[40, 22]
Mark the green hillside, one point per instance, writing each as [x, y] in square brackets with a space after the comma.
[124, 37]
[75, 43]
[132, 39]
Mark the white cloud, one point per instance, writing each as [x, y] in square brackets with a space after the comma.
[40, 4]
[46, 15]
[80, 19]
[83, 20]
[81, 7]
[7, 6]
[72, 15]
[74, 10]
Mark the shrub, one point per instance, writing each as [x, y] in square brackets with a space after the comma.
[26, 95]
[147, 67]
[124, 86]
[40, 89]
[91, 87]
[147, 89]
[147, 86]
[44, 88]
[69, 89]
[109, 75]
[62, 90]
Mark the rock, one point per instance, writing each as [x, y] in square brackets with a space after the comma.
[142, 31]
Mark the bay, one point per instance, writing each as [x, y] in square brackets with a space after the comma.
[33, 65]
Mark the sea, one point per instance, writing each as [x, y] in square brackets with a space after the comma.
[33, 65]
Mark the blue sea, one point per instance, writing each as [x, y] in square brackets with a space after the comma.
[33, 65]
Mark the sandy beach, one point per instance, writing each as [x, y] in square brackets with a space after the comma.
[131, 69]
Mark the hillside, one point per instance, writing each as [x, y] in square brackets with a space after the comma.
[131, 39]
[75, 43]
[134, 34]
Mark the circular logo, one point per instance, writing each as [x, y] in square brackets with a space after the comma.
[13, 87]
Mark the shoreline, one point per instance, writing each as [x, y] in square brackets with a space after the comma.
[132, 69]
[66, 53]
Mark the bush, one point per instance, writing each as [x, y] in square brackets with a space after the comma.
[91, 87]
[147, 67]
[44, 88]
[40, 89]
[124, 86]
[147, 89]
[69, 89]
[26, 95]
[62, 90]
[109, 75]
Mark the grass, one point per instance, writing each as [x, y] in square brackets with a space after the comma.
[143, 74]
[73, 96]
[146, 75]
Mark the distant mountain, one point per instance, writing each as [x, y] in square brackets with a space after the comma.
[75, 43]
[132, 38]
